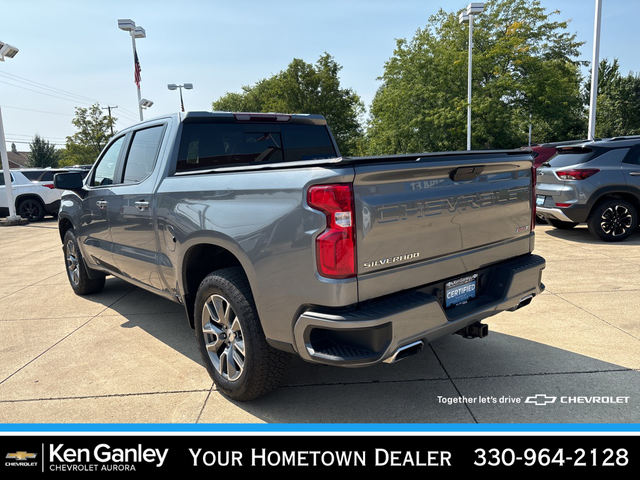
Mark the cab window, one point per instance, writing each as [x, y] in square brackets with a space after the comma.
[106, 170]
[142, 154]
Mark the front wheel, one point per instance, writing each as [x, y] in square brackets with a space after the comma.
[230, 338]
[613, 220]
[80, 281]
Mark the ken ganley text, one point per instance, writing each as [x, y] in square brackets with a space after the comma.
[261, 457]
[103, 457]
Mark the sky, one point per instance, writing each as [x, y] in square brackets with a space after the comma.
[72, 53]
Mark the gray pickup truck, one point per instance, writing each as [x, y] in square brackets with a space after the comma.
[276, 245]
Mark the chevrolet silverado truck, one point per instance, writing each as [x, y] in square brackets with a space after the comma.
[276, 245]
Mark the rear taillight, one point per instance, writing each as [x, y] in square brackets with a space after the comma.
[48, 185]
[336, 246]
[533, 198]
[576, 174]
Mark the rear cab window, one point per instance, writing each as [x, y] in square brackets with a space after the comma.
[211, 145]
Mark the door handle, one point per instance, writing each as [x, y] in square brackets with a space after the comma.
[635, 174]
[142, 205]
[102, 204]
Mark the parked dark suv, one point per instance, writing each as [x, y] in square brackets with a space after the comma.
[595, 182]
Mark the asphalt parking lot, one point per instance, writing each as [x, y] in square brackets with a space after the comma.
[126, 356]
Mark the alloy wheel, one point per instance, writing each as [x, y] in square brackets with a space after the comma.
[73, 266]
[31, 210]
[616, 220]
[223, 337]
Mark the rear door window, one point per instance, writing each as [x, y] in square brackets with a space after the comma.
[143, 153]
[633, 157]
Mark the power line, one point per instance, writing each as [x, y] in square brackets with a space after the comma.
[38, 111]
[46, 87]
[74, 97]
[44, 93]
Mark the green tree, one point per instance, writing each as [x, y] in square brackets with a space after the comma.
[524, 70]
[618, 104]
[93, 132]
[43, 154]
[305, 88]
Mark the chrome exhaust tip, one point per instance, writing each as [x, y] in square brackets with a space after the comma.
[406, 351]
[524, 301]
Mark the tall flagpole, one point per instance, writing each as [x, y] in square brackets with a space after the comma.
[137, 70]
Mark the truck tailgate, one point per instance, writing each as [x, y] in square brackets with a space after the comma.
[423, 219]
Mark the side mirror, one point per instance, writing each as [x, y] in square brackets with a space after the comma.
[68, 181]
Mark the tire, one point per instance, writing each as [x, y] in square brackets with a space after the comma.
[76, 270]
[613, 220]
[231, 340]
[32, 209]
[560, 224]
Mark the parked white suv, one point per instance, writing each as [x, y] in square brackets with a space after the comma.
[33, 197]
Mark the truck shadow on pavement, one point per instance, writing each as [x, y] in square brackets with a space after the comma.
[498, 379]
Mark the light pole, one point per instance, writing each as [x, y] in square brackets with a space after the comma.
[144, 103]
[173, 86]
[8, 51]
[594, 72]
[467, 17]
[129, 25]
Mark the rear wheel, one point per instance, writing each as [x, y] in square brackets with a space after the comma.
[560, 224]
[613, 220]
[232, 344]
[32, 209]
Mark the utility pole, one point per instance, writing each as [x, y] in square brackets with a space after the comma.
[108, 107]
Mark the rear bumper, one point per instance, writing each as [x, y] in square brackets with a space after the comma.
[576, 213]
[380, 330]
[554, 214]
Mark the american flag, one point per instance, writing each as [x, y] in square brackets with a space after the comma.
[137, 69]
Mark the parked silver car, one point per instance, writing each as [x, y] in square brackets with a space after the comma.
[595, 182]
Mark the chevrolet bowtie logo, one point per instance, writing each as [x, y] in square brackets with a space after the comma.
[540, 399]
[20, 455]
